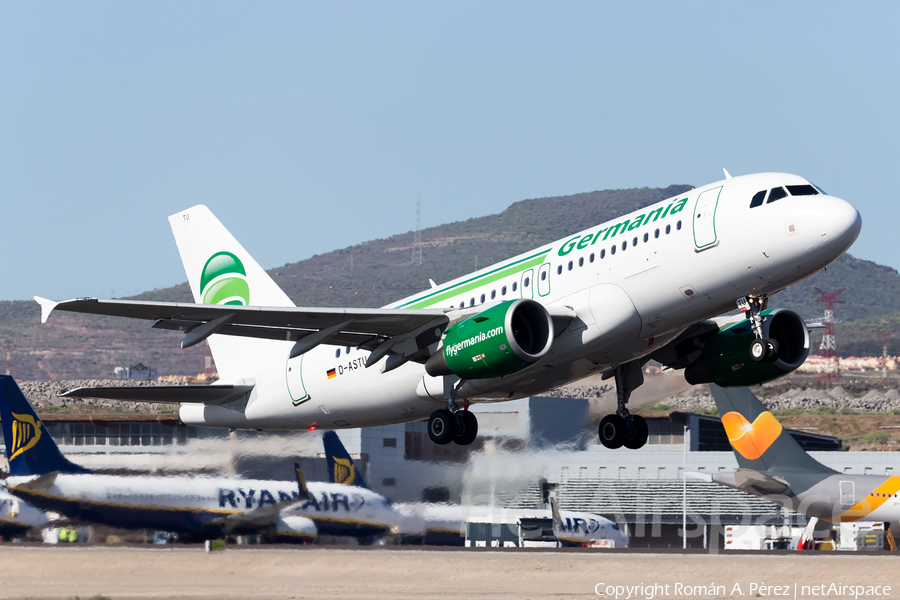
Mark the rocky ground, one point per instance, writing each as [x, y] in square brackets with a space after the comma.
[808, 399]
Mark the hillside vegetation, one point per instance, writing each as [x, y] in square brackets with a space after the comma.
[378, 272]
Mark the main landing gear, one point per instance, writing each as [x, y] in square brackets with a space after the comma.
[624, 428]
[761, 348]
[452, 424]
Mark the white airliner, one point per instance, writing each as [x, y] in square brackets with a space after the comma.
[195, 507]
[444, 524]
[604, 300]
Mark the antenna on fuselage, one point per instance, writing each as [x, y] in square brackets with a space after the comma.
[727, 174]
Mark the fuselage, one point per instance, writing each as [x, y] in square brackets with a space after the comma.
[445, 524]
[846, 498]
[202, 506]
[635, 283]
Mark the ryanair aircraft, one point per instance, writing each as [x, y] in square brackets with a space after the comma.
[17, 517]
[607, 299]
[194, 507]
[774, 466]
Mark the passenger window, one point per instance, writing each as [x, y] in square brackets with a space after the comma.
[471, 301]
[516, 285]
[634, 242]
[668, 229]
[802, 190]
[559, 270]
[527, 282]
[678, 225]
[570, 265]
[646, 237]
[462, 304]
[602, 254]
[581, 262]
[482, 299]
[612, 250]
[624, 246]
[591, 259]
[757, 199]
[494, 293]
[337, 353]
[776, 194]
[348, 349]
[656, 233]
[544, 276]
[503, 290]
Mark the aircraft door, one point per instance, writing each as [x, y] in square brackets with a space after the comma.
[294, 376]
[705, 219]
[848, 493]
[543, 284]
[526, 286]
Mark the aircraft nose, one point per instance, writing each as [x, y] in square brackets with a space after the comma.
[841, 223]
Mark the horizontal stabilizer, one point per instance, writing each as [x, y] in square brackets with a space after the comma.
[165, 394]
[748, 480]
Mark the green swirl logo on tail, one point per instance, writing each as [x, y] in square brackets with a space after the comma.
[224, 280]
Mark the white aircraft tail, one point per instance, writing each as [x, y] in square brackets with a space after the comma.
[221, 271]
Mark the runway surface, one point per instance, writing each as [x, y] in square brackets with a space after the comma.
[189, 572]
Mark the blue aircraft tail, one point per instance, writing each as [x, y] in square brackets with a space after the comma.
[340, 466]
[29, 448]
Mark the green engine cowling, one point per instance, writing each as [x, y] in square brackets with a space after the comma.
[726, 360]
[498, 341]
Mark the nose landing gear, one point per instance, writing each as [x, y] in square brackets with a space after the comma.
[623, 428]
[452, 424]
[761, 348]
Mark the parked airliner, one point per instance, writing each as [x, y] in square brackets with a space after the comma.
[646, 285]
[444, 524]
[16, 516]
[195, 507]
[774, 466]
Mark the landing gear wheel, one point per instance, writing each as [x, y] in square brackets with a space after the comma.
[612, 431]
[758, 350]
[637, 436]
[441, 426]
[467, 433]
[772, 350]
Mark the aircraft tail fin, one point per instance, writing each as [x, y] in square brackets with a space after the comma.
[30, 449]
[302, 490]
[341, 468]
[221, 271]
[759, 441]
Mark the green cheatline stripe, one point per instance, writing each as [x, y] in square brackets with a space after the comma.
[476, 282]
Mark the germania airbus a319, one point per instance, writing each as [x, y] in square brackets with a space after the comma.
[607, 299]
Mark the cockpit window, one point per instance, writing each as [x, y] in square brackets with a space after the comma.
[821, 191]
[776, 194]
[802, 190]
[758, 198]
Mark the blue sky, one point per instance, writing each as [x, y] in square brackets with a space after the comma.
[312, 126]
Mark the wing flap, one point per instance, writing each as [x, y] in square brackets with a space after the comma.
[165, 394]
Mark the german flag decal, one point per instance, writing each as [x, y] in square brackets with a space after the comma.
[331, 373]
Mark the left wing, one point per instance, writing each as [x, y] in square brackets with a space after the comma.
[406, 332]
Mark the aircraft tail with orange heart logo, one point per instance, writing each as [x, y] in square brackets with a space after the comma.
[757, 437]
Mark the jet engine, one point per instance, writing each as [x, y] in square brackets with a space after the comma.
[726, 359]
[498, 341]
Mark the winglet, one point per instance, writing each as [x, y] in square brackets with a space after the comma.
[47, 307]
[303, 491]
[557, 518]
[433, 284]
[727, 174]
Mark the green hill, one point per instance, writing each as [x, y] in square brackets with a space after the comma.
[378, 272]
